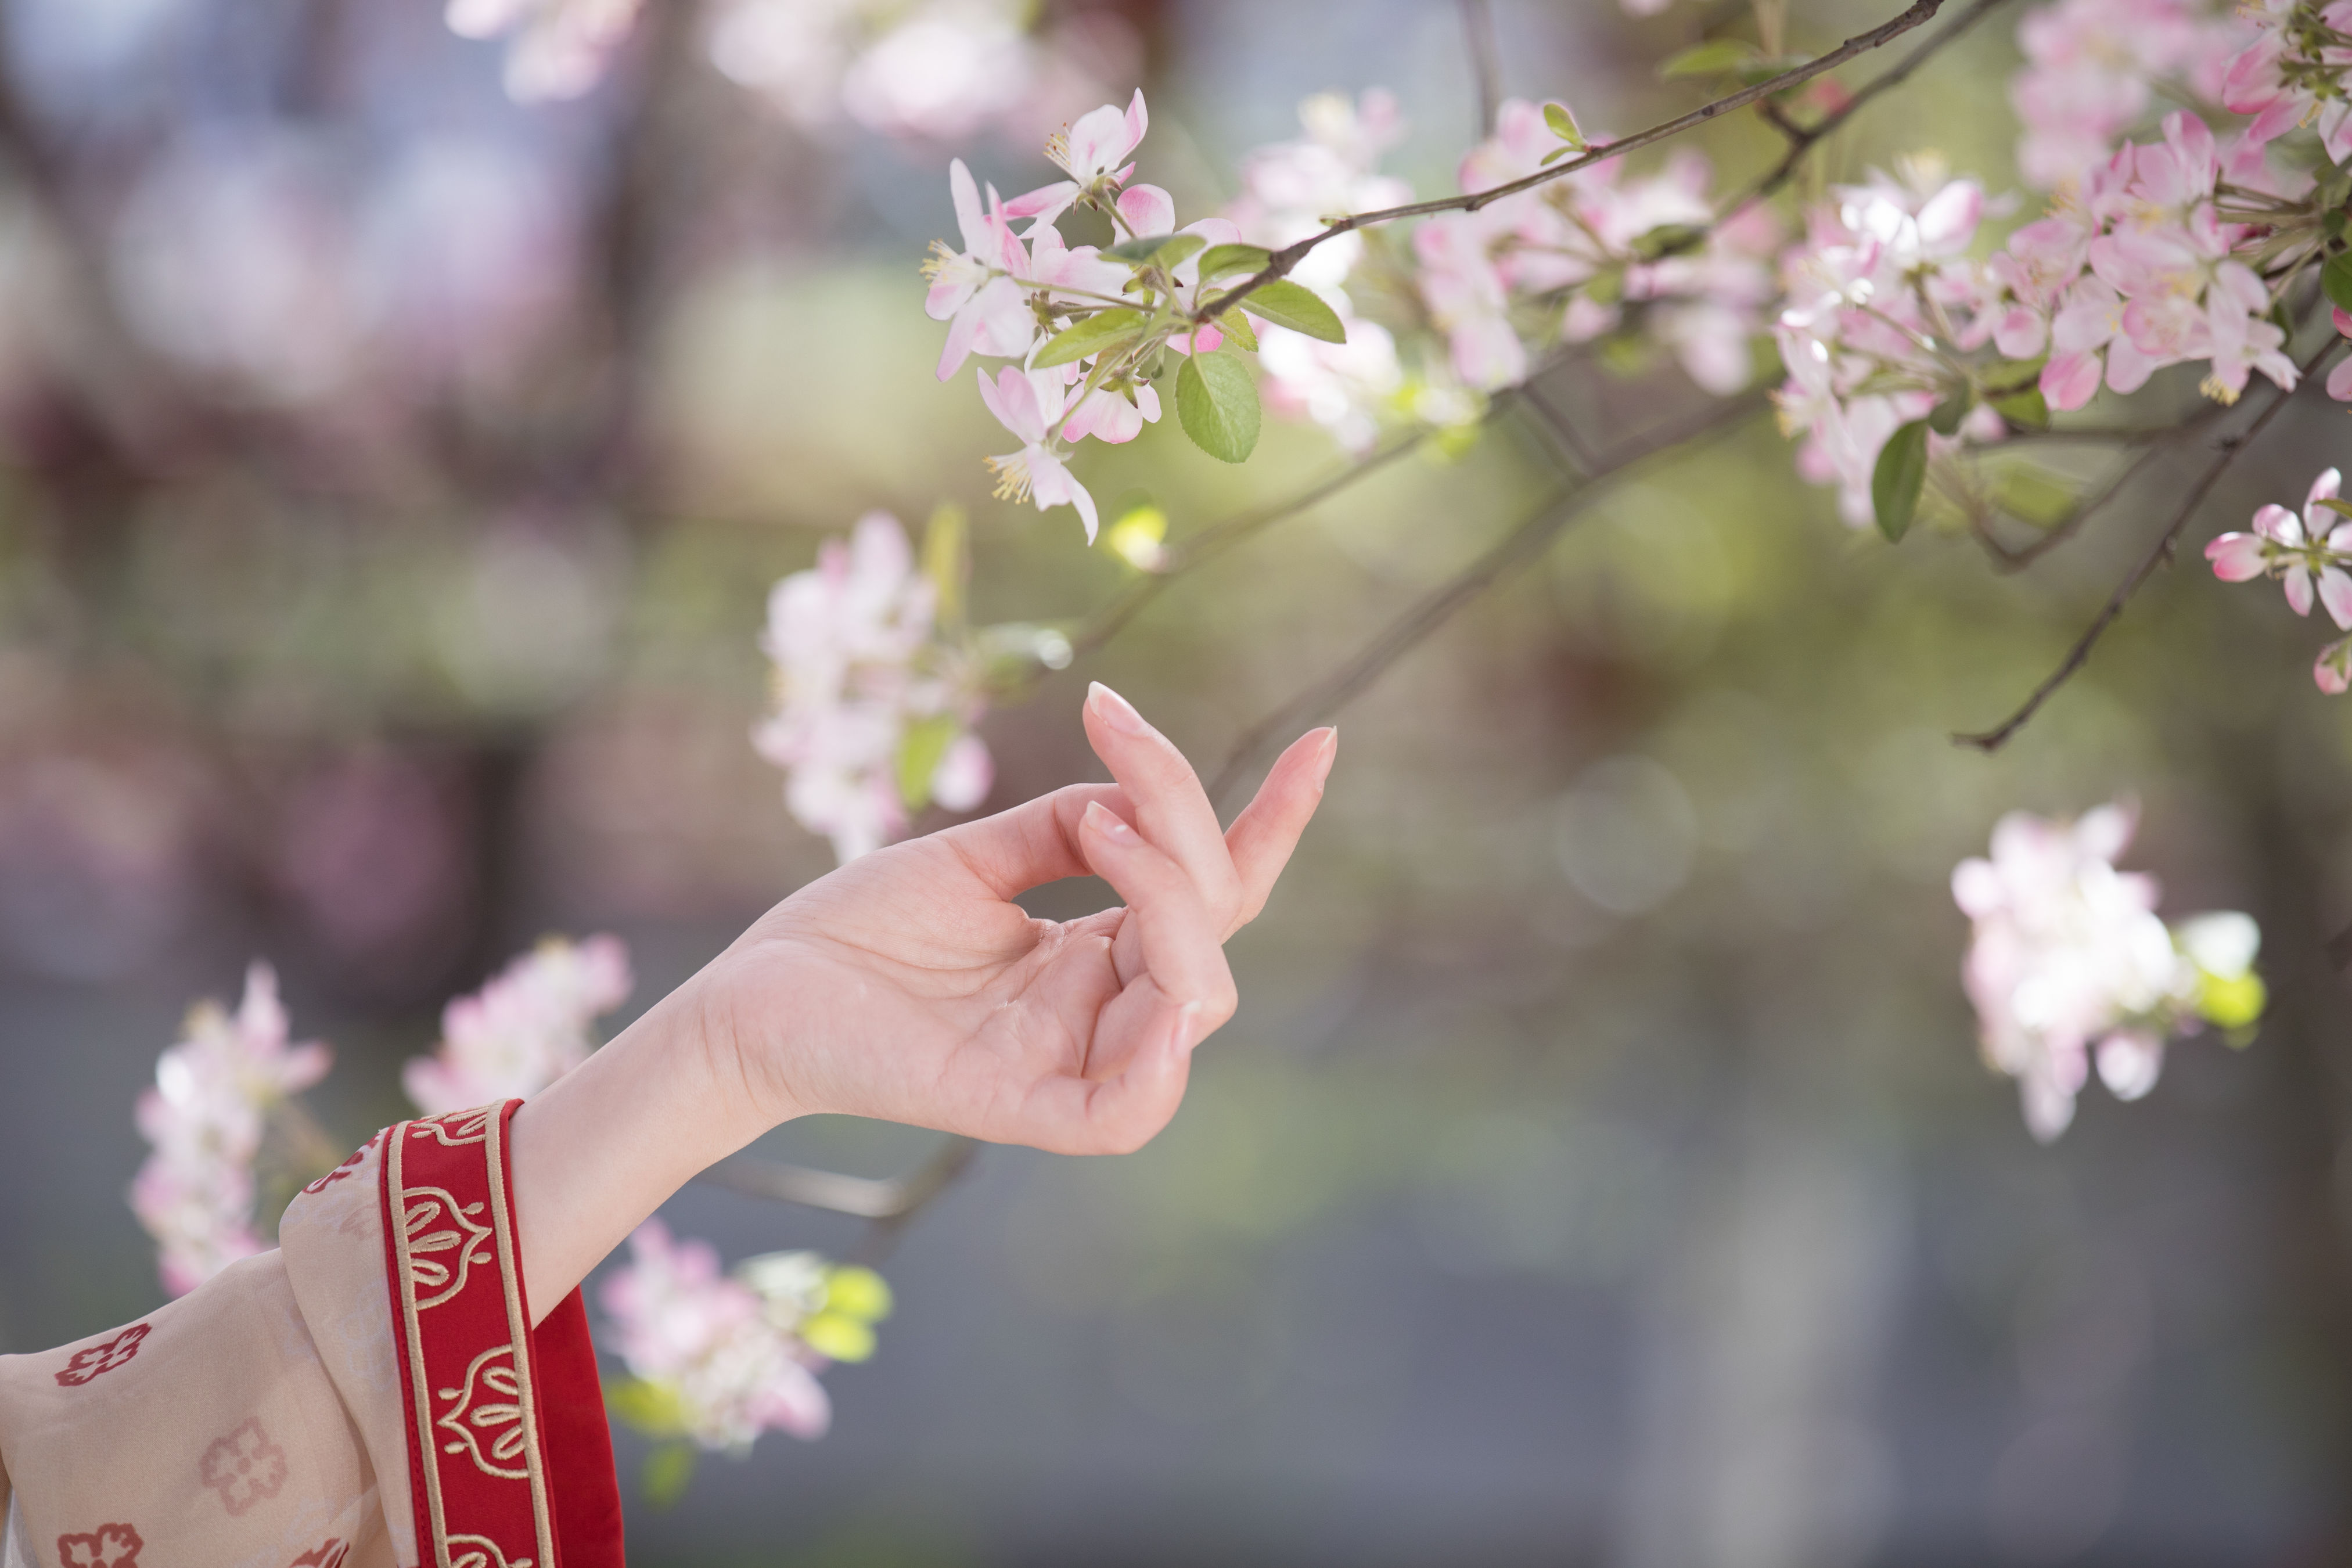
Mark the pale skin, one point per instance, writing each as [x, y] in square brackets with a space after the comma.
[908, 987]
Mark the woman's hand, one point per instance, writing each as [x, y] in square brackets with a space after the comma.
[907, 985]
[910, 987]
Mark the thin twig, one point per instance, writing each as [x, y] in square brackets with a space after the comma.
[1919, 12]
[1522, 544]
[2226, 452]
[892, 1200]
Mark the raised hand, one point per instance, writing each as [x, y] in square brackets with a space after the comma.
[908, 987]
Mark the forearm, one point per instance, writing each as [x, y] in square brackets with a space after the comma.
[594, 1155]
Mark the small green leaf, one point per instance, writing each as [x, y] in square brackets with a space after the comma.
[1668, 239]
[1157, 249]
[1710, 59]
[2232, 1003]
[1112, 329]
[1225, 260]
[654, 1409]
[1900, 476]
[667, 1470]
[1563, 125]
[836, 1336]
[1945, 418]
[2335, 277]
[1297, 307]
[857, 1290]
[2027, 408]
[1175, 249]
[2337, 505]
[1216, 402]
[2033, 494]
[919, 751]
[1137, 250]
[2331, 223]
[1237, 331]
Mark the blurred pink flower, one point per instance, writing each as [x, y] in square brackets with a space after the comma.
[859, 670]
[522, 1030]
[557, 49]
[707, 1341]
[977, 290]
[2068, 953]
[205, 1119]
[1030, 403]
[2094, 68]
[2308, 553]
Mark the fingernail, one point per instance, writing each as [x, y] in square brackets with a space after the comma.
[1115, 710]
[1108, 822]
[1330, 743]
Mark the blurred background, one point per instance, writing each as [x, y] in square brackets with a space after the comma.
[1600, 1170]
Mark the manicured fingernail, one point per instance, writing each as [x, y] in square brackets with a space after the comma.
[1108, 822]
[1115, 710]
[1331, 745]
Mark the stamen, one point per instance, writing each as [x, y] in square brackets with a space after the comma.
[1013, 480]
[2213, 388]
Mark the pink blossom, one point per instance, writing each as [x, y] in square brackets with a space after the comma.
[1290, 188]
[2068, 953]
[1092, 152]
[2092, 67]
[1112, 416]
[525, 1028]
[2308, 553]
[2292, 72]
[977, 290]
[859, 667]
[2332, 670]
[205, 1119]
[707, 1341]
[1030, 404]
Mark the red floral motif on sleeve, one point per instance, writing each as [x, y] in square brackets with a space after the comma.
[107, 1546]
[244, 1467]
[330, 1556]
[340, 1172]
[92, 1360]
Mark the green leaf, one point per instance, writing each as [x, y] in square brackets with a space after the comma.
[2033, 494]
[2027, 408]
[857, 1290]
[1710, 59]
[2331, 223]
[1216, 402]
[2337, 505]
[1900, 476]
[1668, 238]
[667, 1470]
[1157, 249]
[918, 758]
[653, 1408]
[1225, 260]
[1563, 125]
[1111, 329]
[2233, 1003]
[1237, 331]
[1297, 307]
[2335, 277]
[1945, 418]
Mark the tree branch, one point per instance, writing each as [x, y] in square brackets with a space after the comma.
[1524, 543]
[2226, 453]
[1919, 12]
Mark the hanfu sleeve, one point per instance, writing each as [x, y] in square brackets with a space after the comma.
[489, 1436]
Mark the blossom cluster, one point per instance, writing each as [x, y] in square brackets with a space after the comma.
[214, 1093]
[873, 705]
[1876, 304]
[1568, 259]
[2309, 555]
[522, 1030]
[556, 49]
[718, 1358]
[2092, 67]
[2296, 70]
[2070, 964]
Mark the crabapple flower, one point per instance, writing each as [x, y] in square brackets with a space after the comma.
[2070, 962]
[524, 1029]
[204, 1120]
[977, 290]
[2309, 555]
[2294, 72]
[1588, 253]
[1874, 297]
[2092, 67]
[559, 49]
[1030, 403]
[1093, 152]
[719, 1369]
[873, 707]
[1290, 188]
